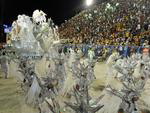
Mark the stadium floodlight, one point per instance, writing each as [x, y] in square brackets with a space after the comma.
[89, 2]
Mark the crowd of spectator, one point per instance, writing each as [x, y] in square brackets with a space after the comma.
[115, 22]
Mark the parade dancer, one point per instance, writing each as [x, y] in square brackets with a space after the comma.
[76, 68]
[83, 100]
[89, 68]
[111, 60]
[129, 100]
[90, 73]
[91, 55]
[4, 65]
[60, 72]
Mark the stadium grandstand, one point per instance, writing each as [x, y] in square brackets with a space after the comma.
[113, 22]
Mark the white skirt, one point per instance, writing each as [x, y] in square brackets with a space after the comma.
[111, 103]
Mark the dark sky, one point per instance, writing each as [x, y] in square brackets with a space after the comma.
[58, 10]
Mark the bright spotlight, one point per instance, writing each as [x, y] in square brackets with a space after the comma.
[89, 2]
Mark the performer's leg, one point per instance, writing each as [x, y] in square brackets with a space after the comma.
[6, 75]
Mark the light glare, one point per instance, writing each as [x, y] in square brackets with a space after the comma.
[89, 2]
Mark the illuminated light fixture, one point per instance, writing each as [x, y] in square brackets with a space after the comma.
[89, 2]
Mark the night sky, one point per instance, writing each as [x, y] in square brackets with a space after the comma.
[58, 10]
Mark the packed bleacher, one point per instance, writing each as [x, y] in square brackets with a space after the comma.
[115, 22]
